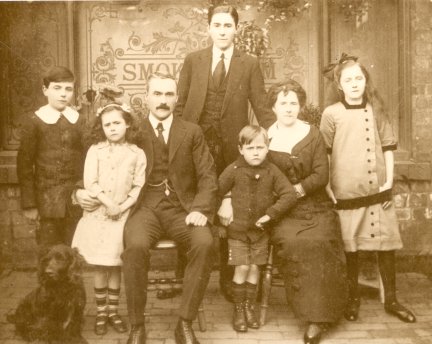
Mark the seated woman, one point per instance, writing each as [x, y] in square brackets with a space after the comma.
[308, 239]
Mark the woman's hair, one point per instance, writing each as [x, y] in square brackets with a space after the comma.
[249, 133]
[285, 87]
[371, 94]
[96, 133]
[223, 9]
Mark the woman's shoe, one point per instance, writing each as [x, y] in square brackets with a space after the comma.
[100, 326]
[403, 313]
[313, 334]
[117, 323]
[352, 309]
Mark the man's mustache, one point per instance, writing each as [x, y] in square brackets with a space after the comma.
[163, 107]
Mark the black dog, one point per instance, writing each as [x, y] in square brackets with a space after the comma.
[53, 312]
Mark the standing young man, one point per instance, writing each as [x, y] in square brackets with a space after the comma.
[215, 86]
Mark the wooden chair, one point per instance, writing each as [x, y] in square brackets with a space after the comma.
[173, 286]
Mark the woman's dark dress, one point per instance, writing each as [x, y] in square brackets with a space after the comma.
[308, 240]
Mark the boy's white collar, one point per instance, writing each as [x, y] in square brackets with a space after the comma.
[49, 115]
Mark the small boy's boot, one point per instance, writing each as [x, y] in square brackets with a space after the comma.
[239, 318]
[251, 295]
[386, 262]
[353, 305]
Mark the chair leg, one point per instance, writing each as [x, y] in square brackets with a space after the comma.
[266, 286]
[201, 319]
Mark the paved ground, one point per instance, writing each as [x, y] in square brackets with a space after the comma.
[373, 327]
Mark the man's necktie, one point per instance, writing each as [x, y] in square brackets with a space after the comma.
[219, 72]
[160, 129]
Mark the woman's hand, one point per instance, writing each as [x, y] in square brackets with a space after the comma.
[330, 193]
[299, 190]
[225, 212]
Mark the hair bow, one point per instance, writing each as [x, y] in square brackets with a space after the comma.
[122, 106]
[329, 70]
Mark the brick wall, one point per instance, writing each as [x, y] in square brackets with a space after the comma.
[17, 234]
[421, 78]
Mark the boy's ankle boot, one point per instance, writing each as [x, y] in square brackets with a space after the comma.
[239, 318]
[251, 294]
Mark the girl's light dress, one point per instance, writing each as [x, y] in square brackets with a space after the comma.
[118, 170]
[357, 141]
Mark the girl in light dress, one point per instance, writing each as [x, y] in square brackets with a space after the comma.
[360, 145]
[114, 173]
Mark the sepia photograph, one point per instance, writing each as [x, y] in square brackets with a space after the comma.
[216, 172]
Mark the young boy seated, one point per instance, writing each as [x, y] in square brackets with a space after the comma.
[50, 160]
[260, 194]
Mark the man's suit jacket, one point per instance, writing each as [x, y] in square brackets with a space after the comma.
[245, 83]
[191, 168]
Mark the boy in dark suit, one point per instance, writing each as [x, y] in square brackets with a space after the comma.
[50, 160]
[215, 87]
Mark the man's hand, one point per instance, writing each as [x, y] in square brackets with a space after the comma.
[32, 214]
[225, 212]
[195, 218]
[262, 221]
[85, 201]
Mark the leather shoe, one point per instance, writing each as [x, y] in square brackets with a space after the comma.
[239, 317]
[164, 294]
[352, 309]
[117, 323]
[184, 334]
[312, 334]
[404, 314]
[137, 335]
[100, 326]
[251, 319]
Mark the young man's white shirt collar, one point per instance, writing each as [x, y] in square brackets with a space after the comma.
[216, 56]
[166, 123]
[49, 115]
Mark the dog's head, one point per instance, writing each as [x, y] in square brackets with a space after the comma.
[60, 263]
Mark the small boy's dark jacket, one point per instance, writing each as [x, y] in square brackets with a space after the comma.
[255, 192]
[50, 161]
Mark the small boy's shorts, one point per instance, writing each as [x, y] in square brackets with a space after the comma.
[247, 253]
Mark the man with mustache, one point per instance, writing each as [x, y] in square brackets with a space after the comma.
[178, 200]
[216, 85]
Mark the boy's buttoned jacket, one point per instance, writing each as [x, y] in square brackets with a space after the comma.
[255, 191]
[50, 161]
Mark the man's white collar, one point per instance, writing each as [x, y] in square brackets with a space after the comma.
[227, 53]
[49, 115]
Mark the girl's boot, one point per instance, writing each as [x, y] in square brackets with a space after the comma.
[239, 318]
[353, 305]
[251, 295]
[386, 262]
